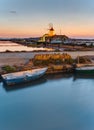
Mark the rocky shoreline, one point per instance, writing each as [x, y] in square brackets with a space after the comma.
[19, 59]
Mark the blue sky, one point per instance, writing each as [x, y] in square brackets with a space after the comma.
[31, 17]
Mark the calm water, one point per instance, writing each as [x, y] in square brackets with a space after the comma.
[52, 103]
[7, 45]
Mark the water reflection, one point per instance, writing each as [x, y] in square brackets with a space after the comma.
[11, 46]
[37, 82]
[58, 76]
[82, 76]
[66, 76]
[25, 85]
[57, 103]
[45, 79]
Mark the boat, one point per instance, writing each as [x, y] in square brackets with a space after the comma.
[23, 76]
[85, 70]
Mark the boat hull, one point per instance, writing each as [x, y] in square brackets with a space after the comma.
[84, 71]
[24, 79]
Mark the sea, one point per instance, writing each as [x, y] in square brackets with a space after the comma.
[54, 102]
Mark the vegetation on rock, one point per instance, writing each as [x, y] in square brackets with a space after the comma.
[8, 69]
[46, 59]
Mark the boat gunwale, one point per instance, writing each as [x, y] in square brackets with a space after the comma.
[23, 74]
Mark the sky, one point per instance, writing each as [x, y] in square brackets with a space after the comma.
[31, 18]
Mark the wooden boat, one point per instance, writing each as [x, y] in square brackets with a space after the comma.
[85, 70]
[23, 76]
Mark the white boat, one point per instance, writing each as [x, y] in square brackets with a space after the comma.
[23, 76]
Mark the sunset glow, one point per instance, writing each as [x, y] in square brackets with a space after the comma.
[30, 18]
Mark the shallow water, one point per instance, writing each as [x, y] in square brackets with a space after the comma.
[58, 102]
[7, 45]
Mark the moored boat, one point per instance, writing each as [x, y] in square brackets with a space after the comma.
[85, 70]
[23, 76]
